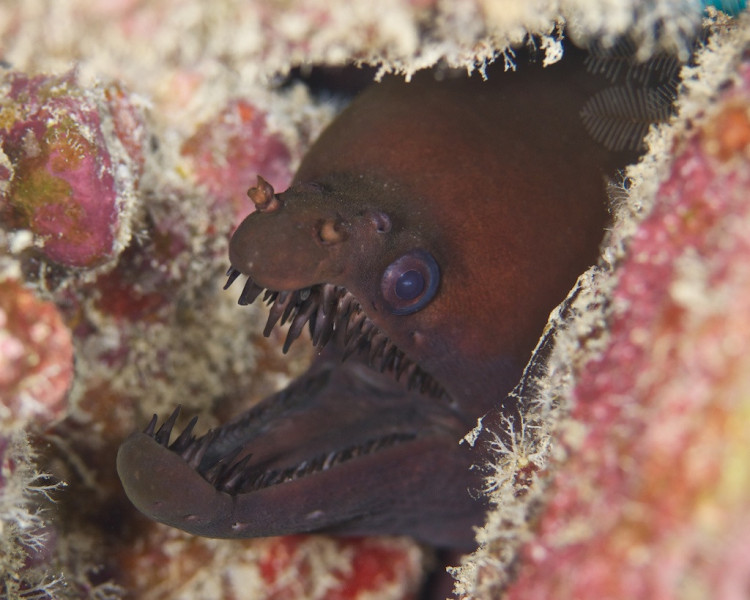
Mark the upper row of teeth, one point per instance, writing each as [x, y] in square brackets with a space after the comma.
[328, 308]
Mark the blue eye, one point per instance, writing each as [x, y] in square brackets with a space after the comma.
[409, 285]
[410, 282]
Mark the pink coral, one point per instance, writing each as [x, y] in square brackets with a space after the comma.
[227, 152]
[653, 500]
[67, 179]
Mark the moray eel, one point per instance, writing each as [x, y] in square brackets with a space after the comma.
[426, 237]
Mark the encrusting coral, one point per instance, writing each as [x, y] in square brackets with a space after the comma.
[644, 466]
[129, 133]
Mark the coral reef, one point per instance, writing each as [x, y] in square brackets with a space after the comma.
[659, 419]
[129, 132]
[644, 466]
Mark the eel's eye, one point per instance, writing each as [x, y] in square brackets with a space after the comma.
[410, 282]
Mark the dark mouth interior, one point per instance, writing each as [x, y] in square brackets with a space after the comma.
[329, 311]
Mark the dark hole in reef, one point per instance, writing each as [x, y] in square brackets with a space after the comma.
[344, 81]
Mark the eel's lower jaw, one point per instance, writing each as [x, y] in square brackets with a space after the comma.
[392, 474]
[390, 492]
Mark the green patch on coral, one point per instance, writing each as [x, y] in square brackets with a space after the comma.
[35, 188]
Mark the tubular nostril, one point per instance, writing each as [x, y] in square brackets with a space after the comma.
[263, 196]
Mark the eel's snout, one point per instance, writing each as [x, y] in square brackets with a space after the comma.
[252, 250]
[311, 234]
[298, 221]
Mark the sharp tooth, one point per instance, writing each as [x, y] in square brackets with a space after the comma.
[217, 471]
[235, 473]
[277, 309]
[328, 462]
[415, 377]
[351, 347]
[292, 304]
[368, 327]
[287, 475]
[185, 438]
[328, 299]
[377, 344]
[404, 364]
[323, 326]
[354, 326]
[347, 302]
[162, 436]
[200, 449]
[327, 334]
[270, 478]
[249, 293]
[298, 324]
[232, 275]
[151, 427]
[389, 354]
[316, 464]
[318, 326]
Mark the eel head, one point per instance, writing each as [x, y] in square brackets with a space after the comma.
[368, 444]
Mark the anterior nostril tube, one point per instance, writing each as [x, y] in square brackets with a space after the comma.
[263, 196]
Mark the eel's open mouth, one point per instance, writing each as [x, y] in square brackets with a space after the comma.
[363, 410]
[221, 456]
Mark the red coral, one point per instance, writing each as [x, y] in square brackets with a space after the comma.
[36, 358]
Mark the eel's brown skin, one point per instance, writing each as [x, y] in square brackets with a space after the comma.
[490, 189]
